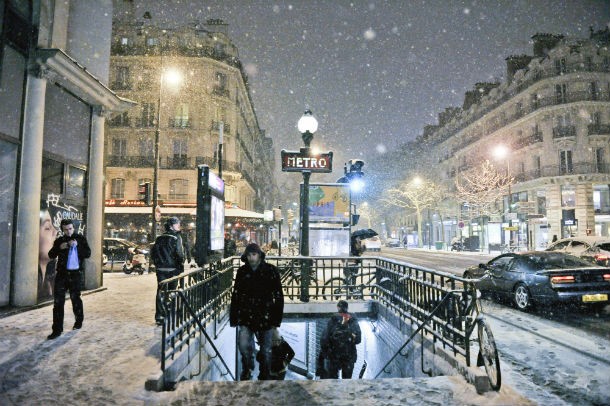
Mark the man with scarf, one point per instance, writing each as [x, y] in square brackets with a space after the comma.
[257, 306]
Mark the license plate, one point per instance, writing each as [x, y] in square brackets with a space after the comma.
[600, 297]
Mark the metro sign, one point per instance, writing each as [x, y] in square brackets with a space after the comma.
[303, 161]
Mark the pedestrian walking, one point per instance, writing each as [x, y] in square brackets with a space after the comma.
[70, 249]
[168, 254]
[338, 342]
[257, 305]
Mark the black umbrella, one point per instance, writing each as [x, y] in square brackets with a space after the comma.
[364, 233]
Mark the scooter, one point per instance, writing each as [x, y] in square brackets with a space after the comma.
[457, 246]
[135, 262]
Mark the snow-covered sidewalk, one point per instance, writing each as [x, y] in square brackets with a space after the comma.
[109, 359]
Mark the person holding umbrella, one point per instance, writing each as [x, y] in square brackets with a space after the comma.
[356, 250]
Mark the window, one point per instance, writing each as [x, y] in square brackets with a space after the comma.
[117, 188]
[596, 119]
[124, 41]
[599, 160]
[178, 188]
[534, 101]
[181, 117]
[180, 153]
[593, 90]
[561, 93]
[145, 147]
[568, 196]
[537, 166]
[606, 64]
[589, 63]
[221, 80]
[152, 41]
[601, 198]
[119, 147]
[560, 66]
[565, 162]
[148, 115]
[122, 78]
[121, 120]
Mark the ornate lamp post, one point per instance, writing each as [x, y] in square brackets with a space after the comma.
[307, 126]
[171, 77]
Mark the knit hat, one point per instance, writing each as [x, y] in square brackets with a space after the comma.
[252, 247]
[342, 305]
[170, 222]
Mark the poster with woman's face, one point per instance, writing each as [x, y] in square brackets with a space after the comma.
[52, 211]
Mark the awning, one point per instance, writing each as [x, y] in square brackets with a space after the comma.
[148, 210]
[235, 212]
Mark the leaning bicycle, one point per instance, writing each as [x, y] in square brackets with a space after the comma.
[290, 276]
[469, 305]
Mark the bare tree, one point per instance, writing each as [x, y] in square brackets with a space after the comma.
[416, 195]
[481, 189]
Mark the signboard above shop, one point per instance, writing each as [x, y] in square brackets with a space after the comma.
[303, 160]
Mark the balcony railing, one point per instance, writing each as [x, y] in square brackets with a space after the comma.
[220, 91]
[599, 129]
[130, 161]
[564, 131]
[584, 168]
[216, 127]
[179, 122]
[447, 131]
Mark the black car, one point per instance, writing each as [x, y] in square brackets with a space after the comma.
[116, 251]
[543, 277]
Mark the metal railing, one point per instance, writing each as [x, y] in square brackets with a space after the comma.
[422, 297]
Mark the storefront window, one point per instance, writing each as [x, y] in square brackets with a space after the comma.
[76, 183]
[8, 161]
[12, 70]
[52, 177]
[601, 199]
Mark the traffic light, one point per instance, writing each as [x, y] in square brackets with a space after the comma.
[144, 191]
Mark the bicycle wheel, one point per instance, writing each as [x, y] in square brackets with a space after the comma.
[333, 289]
[488, 355]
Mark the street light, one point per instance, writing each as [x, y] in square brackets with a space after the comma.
[503, 152]
[307, 126]
[172, 77]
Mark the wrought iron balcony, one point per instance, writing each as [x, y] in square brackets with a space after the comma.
[564, 131]
[599, 129]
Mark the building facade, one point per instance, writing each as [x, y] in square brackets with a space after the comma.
[208, 104]
[54, 59]
[552, 115]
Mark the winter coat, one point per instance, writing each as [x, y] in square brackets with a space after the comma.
[257, 301]
[168, 252]
[334, 321]
[82, 247]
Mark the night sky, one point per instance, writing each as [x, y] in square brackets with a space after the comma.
[375, 72]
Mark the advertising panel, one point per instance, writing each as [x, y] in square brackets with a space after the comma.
[329, 202]
[210, 215]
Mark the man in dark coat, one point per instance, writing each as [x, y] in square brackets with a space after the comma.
[341, 355]
[68, 276]
[257, 306]
[168, 255]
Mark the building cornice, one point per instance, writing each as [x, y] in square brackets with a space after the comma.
[55, 65]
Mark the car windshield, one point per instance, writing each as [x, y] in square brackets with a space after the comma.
[604, 246]
[555, 261]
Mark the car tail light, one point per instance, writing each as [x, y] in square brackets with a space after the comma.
[607, 277]
[563, 279]
[601, 257]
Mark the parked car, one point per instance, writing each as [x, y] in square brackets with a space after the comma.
[392, 242]
[592, 249]
[372, 244]
[543, 277]
[116, 251]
